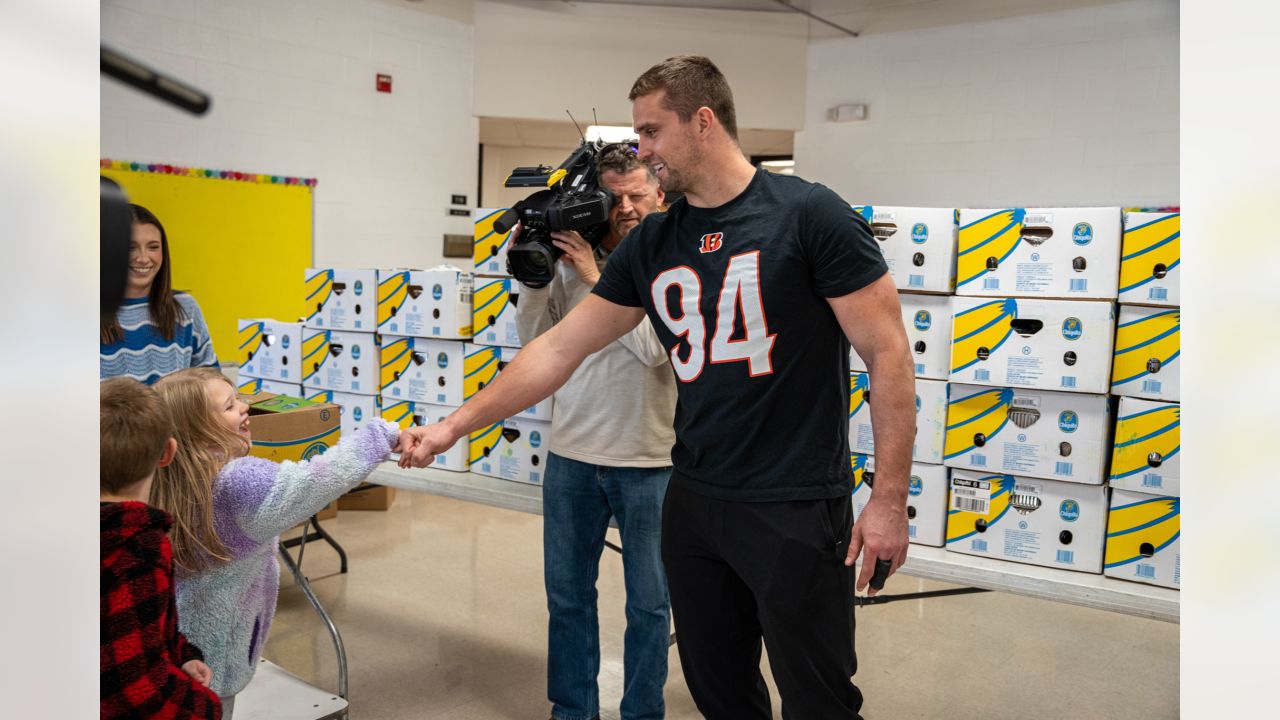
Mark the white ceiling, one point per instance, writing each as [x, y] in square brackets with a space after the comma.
[874, 16]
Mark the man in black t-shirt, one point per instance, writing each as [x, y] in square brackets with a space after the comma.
[756, 284]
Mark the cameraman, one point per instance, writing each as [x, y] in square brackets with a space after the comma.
[610, 456]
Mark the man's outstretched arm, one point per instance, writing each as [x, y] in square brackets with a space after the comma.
[538, 370]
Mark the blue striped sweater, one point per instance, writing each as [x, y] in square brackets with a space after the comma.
[145, 354]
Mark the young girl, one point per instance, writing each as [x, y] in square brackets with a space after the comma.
[157, 330]
[229, 510]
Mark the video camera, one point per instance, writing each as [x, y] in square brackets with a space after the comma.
[573, 200]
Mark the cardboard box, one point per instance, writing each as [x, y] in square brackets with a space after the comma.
[342, 299]
[271, 350]
[926, 498]
[484, 363]
[253, 386]
[1151, 259]
[432, 303]
[927, 319]
[1033, 433]
[356, 410]
[931, 418]
[368, 497]
[1148, 446]
[1039, 522]
[1143, 534]
[456, 458]
[341, 361]
[1148, 347]
[489, 249]
[423, 370]
[493, 314]
[514, 449]
[1045, 344]
[289, 428]
[1039, 252]
[919, 245]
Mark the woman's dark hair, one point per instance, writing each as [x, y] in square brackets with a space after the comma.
[161, 302]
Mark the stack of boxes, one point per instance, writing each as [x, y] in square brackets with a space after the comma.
[1144, 523]
[919, 246]
[515, 448]
[1029, 420]
[1015, 373]
[340, 344]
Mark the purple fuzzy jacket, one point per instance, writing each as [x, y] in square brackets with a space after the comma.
[227, 609]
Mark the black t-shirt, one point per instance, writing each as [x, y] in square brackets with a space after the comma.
[737, 294]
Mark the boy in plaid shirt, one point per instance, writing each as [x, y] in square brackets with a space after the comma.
[148, 669]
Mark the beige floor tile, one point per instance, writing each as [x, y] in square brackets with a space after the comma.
[444, 618]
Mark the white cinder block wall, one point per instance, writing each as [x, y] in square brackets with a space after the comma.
[294, 94]
[1068, 108]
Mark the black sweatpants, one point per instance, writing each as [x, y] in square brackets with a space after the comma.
[742, 571]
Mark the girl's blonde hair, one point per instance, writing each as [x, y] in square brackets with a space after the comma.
[184, 488]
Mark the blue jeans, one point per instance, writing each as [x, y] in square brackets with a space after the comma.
[577, 501]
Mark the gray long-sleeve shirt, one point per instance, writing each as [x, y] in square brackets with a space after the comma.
[618, 407]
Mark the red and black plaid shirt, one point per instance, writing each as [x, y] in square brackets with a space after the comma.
[142, 652]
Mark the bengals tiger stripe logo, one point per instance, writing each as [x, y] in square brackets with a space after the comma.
[711, 242]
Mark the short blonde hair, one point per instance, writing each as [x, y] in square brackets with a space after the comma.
[134, 427]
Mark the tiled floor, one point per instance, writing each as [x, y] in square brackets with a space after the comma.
[444, 618]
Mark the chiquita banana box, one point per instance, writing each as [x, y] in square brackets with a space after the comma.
[253, 386]
[270, 349]
[483, 365]
[489, 247]
[342, 299]
[422, 370]
[1028, 520]
[1148, 441]
[1148, 345]
[1042, 344]
[356, 410]
[1039, 252]
[432, 303]
[1036, 433]
[410, 414]
[1142, 539]
[919, 245]
[493, 314]
[514, 449]
[926, 498]
[1151, 258]
[931, 418]
[341, 361]
[927, 319]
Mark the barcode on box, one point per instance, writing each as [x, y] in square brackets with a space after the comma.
[1079, 285]
[1158, 294]
[971, 505]
[1063, 468]
[919, 368]
[977, 460]
[1152, 480]
[1144, 570]
[915, 281]
[1151, 386]
[991, 283]
[981, 375]
[1068, 381]
[1066, 557]
[465, 297]
[978, 546]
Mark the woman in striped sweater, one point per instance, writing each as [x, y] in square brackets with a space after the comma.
[157, 330]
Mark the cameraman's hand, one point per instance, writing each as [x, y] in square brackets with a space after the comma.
[579, 252]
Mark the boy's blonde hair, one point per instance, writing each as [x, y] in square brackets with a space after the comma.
[135, 427]
[185, 488]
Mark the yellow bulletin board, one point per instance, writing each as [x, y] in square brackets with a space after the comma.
[238, 242]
